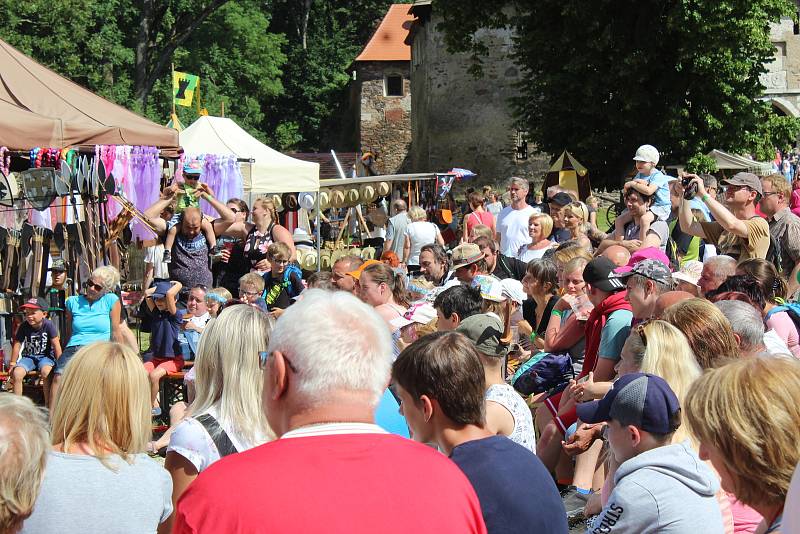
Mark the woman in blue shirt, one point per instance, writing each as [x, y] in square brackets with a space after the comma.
[92, 316]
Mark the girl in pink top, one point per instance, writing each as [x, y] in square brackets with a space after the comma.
[477, 216]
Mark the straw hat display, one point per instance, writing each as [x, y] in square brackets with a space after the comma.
[384, 189]
[368, 253]
[336, 254]
[325, 262]
[324, 199]
[337, 197]
[351, 197]
[306, 201]
[290, 201]
[276, 201]
[368, 193]
[353, 252]
[309, 261]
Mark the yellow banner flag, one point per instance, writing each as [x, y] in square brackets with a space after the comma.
[183, 87]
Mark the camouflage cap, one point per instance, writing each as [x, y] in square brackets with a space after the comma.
[58, 264]
[652, 269]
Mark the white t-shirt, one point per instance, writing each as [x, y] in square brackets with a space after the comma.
[190, 440]
[525, 254]
[512, 225]
[154, 255]
[421, 233]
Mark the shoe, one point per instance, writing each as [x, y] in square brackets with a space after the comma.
[574, 502]
[167, 257]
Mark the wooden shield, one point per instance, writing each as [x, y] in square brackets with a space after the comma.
[39, 186]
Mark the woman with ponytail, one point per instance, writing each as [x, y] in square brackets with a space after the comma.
[385, 290]
[773, 287]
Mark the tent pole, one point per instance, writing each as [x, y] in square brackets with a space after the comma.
[317, 231]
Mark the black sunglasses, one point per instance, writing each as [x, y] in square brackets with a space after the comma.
[263, 356]
[97, 287]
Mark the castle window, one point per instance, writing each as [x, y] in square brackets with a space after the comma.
[394, 85]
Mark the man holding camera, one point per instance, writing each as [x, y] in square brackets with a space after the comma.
[737, 231]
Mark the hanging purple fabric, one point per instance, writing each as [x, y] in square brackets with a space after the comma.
[223, 176]
[143, 183]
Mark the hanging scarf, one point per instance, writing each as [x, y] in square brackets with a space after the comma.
[596, 323]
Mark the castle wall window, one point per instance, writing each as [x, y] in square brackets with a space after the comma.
[394, 85]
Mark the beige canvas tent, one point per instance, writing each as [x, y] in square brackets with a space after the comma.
[733, 162]
[39, 108]
[264, 170]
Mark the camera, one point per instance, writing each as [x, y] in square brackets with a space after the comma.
[689, 189]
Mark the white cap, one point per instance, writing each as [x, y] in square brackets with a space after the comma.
[691, 271]
[512, 289]
[647, 153]
[419, 312]
[491, 288]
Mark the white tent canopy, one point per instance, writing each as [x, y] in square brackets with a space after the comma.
[727, 161]
[265, 171]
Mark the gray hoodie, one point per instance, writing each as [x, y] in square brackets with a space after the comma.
[667, 489]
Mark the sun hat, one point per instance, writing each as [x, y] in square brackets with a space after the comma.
[466, 254]
[419, 312]
[368, 193]
[384, 189]
[689, 272]
[368, 253]
[306, 200]
[337, 197]
[324, 199]
[512, 289]
[309, 260]
[647, 153]
[290, 201]
[276, 201]
[352, 197]
[325, 262]
[643, 400]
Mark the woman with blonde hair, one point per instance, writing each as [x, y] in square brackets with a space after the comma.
[419, 233]
[540, 226]
[744, 414]
[226, 415]
[576, 220]
[100, 428]
[94, 315]
[260, 234]
[708, 331]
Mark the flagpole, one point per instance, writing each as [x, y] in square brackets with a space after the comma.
[198, 96]
[172, 87]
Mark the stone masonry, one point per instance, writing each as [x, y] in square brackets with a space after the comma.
[782, 80]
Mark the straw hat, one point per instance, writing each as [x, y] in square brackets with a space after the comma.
[309, 261]
[351, 197]
[336, 254]
[337, 197]
[325, 262]
[324, 199]
[368, 253]
[290, 201]
[306, 200]
[354, 252]
[384, 189]
[368, 193]
[276, 201]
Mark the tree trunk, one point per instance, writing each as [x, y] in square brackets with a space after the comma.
[141, 91]
[306, 13]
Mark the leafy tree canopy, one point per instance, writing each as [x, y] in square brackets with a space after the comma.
[604, 77]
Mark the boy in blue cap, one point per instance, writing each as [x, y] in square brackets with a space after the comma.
[659, 486]
[189, 197]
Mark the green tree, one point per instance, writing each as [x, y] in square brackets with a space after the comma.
[602, 78]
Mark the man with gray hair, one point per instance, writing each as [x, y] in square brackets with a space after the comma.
[715, 271]
[24, 445]
[327, 364]
[748, 329]
[512, 222]
[397, 228]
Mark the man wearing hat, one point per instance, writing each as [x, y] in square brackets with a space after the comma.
[659, 486]
[512, 222]
[645, 282]
[556, 204]
[468, 262]
[737, 230]
[56, 294]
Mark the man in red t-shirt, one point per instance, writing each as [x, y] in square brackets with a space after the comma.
[332, 469]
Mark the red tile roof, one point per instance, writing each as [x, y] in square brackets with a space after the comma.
[327, 167]
[388, 41]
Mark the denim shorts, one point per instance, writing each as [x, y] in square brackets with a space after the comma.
[35, 363]
[66, 356]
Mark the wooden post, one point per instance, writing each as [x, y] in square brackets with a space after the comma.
[222, 111]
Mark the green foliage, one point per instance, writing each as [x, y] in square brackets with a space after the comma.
[679, 74]
[701, 163]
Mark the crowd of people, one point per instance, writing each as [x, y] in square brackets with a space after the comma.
[529, 372]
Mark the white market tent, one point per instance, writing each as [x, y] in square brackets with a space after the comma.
[264, 170]
[732, 162]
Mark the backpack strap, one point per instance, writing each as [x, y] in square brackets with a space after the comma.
[218, 435]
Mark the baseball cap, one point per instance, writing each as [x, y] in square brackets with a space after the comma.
[357, 273]
[58, 264]
[652, 269]
[193, 167]
[647, 153]
[37, 303]
[691, 271]
[640, 399]
[600, 273]
[466, 254]
[647, 253]
[490, 287]
[561, 199]
[747, 179]
[161, 290]
[512, 289]
[485, 329]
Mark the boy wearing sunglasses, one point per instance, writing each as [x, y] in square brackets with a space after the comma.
[189, 197]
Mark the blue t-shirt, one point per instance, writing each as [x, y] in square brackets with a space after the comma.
[37, 342]
[614, 334]
[662, 193]
[387, 416]
[516, 492]
[164, 332]
[90, 322]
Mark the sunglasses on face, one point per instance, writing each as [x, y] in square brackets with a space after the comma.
[263, 358]
[89, 284]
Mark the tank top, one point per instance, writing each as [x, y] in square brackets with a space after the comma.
[507, 397]
[256, 244]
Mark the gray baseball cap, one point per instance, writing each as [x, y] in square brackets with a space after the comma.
[747, 179]
[485, 329]
[652, 269]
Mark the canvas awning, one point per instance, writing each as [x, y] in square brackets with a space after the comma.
[727, 161]
[264, 170]
[39, 108]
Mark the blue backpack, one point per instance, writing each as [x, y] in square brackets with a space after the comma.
[543, 372]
